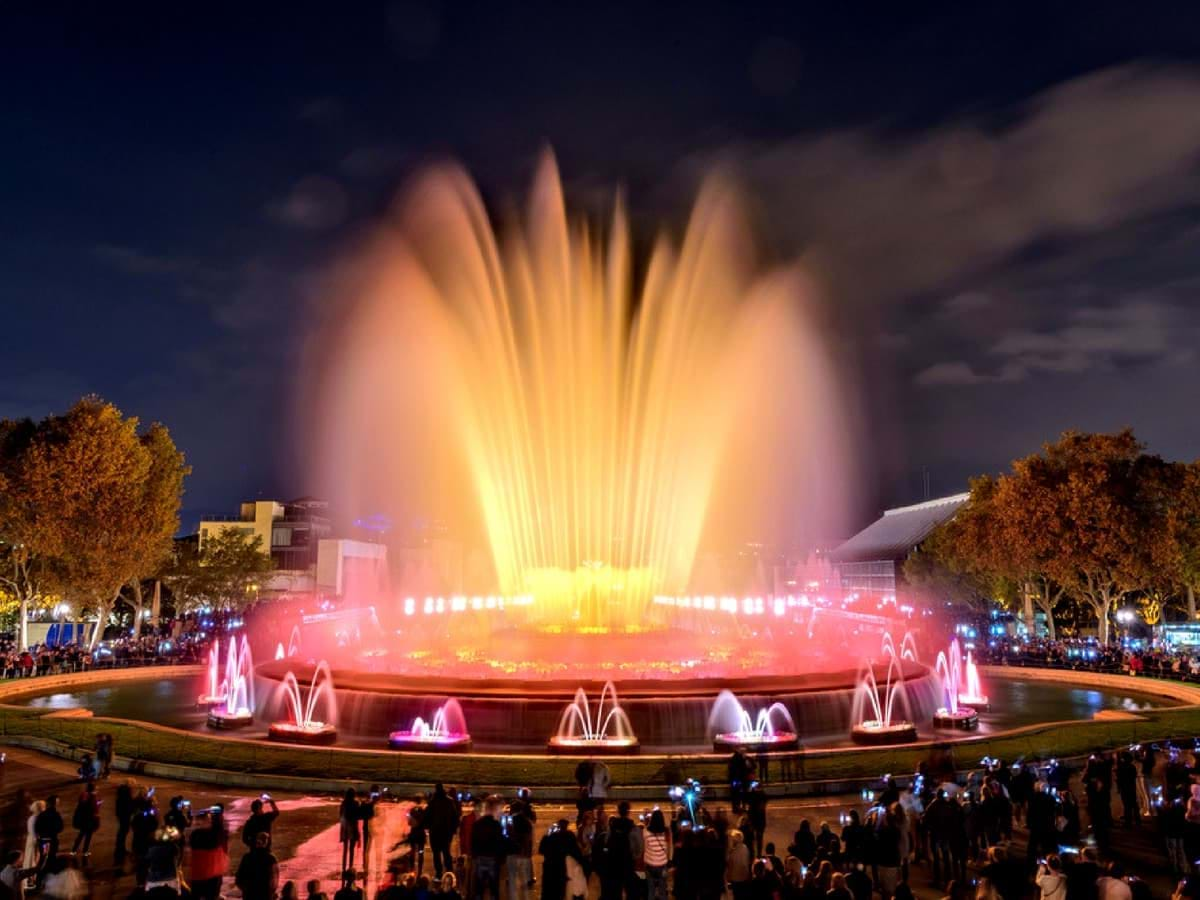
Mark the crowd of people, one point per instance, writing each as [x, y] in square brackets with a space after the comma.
[188, 646]
[1157, 661]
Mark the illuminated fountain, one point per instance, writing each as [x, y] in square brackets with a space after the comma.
[236, 706]
[733, 726]
[446, 731]
[908, 647]
[973, 696]
[873, 718]
[215, 694]
[303, 728]
[608, 731]
[953, 713]
[293, 646]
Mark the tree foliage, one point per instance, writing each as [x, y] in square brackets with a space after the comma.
[90, 502]
[1092, 517]
[229, 573]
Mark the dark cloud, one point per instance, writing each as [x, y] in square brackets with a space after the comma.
[315, 203]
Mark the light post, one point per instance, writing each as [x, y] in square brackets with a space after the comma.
[1125, 618]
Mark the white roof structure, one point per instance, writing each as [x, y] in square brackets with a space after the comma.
[894, 534]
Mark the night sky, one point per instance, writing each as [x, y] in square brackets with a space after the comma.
[1000, 204]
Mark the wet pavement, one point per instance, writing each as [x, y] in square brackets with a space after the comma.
[306, 833]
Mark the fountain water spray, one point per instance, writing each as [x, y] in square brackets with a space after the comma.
[293, 646]
[732, 725]
[447, 730]
[303, 728]
[235, 708]
[954, 713]
[579, 729]
[873, 719]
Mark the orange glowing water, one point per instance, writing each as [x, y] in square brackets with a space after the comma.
[594, 425]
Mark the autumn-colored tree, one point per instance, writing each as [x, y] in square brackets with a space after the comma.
[228, 574]
[24, 579]
[1092, 506]
[1177, 565]
[105, 501]
[159, 517]
[956, 561]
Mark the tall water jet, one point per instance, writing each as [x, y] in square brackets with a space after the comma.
[873, 718]
[214, 693]
[447, 730]
[586, 422]
[974, 696]
[953, 713]
[732, 725]
[236, 708]
[606, 731]
[303, 728]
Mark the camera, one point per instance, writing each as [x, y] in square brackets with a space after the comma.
[186, 804]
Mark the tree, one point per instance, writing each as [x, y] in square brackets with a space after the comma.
[1090, 510]
[158, 519]
[229, 573]
[24, 579]
[105, 500]
[955, 562]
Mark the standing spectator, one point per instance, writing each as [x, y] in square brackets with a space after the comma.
[943, 820]
[86, 819]
[366, 813]
[487, 849]
[756, 815]
[348, 819]
[442, 816]
[315, 892]
[1050, 879]
[162, 861]
[104, 753]
[210, 856]
[142, 828]
[739, 770]
[622, 847]
[558, 846]
[600, 783]
[12, 876]
[417, 835]
[737, 866]
[31, 842]
[1127, 780]
[123, 809]
[47, 827]
[258, 872]
[656, 855]
[349, 890]
[179, 818]
[1112, 885]
[519, 863]
[260, 821]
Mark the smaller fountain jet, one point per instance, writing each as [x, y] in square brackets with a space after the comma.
[293, 646]
[954, 713]
[234, 696]
[732, 725]
[973, 696]
[215, 695]
[303, 728]
[579, 730]
[874, 720]
[446, 731]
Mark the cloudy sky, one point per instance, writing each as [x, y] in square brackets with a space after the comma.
[999, 206]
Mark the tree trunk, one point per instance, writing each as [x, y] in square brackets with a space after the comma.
[136, 584]
[1191, 595]
[23, 628]
[1027, 596]
[1102, 607]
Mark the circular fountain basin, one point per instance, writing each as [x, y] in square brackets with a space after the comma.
[979, 704]
[446, 743]
[964, 718]
[780, 740]
[592, 746]
[315, 733]
[228, 721]
[208, 702]
[875, 734]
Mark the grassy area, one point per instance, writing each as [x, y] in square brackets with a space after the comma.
[147, 742]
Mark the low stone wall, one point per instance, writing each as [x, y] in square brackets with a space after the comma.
[1185, 694]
